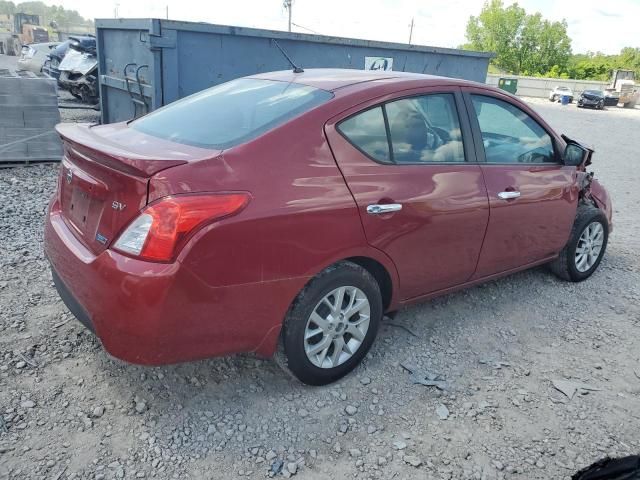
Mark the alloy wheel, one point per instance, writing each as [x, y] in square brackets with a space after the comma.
[589, 246]
[337, 327]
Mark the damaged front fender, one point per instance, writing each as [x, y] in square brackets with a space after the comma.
[602, 200]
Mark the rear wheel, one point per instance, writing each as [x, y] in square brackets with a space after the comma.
[331, 324]
[585, 249]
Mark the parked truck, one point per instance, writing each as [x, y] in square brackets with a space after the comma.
[623, 86]
[26, 29]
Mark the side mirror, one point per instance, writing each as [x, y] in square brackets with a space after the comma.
[574, 155]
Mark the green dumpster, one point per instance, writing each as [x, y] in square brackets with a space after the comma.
[508, 84]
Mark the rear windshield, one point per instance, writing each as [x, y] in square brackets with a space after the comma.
[231, 113]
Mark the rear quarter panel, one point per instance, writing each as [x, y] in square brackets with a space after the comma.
[301, 219]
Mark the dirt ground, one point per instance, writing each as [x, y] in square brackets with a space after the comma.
[67, 410]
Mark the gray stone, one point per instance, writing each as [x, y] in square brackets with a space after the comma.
[442, 411]
[399, 445]
[351, 410]
[97, 412]
[412, 460]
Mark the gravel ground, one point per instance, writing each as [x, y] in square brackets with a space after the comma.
[67, 410]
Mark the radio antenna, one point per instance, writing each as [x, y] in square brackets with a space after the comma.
[296, 69]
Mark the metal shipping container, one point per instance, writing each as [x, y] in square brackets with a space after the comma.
[147, 63]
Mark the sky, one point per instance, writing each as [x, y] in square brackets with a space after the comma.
[593, 25]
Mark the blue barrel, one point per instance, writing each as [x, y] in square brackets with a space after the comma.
[565, 100]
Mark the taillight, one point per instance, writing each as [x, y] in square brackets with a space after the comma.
[162, 227]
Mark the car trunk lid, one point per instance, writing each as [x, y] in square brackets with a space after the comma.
[105, 175]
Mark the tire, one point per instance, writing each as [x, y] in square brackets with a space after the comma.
[566, 265]
[292, 352]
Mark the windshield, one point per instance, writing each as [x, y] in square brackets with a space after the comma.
[232, 113]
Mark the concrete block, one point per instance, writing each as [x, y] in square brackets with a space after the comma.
[28, 114]
[21, 99]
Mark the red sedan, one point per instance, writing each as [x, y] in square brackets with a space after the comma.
[289, 211]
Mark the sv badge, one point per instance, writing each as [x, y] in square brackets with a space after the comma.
[118, 206]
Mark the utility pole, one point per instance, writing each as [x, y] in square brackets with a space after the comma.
[410, 31]
[167, 8]
[287, 5]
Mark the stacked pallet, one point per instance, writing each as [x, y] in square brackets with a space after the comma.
[28, 115]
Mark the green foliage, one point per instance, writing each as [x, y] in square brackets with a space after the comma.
[66, 19]
[598, 66]
[522, 42]
[527, 44]
[7, 8]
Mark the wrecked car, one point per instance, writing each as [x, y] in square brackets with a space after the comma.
[592, 99]
[287, 212]
[33, 56]
[561, 91]
[78, 70]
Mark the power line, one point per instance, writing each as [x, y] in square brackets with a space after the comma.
[305, 28]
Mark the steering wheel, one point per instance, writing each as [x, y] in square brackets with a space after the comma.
[435, 137]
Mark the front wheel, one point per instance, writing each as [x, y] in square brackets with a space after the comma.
[331, 324]
[586, 246]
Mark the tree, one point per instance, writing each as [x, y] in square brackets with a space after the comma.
[66, 19]
[7, 8]
[523, 43]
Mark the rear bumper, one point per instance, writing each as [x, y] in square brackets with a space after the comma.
[153, 314]
[70, 301]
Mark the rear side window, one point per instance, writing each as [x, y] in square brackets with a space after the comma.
[232, 113]
[415, 130]
[425, 129]
[367, 131]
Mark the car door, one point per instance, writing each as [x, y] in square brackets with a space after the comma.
[532, 195]
[410, 165]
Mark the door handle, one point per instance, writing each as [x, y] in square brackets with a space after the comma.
[508, 195]
[385, 208]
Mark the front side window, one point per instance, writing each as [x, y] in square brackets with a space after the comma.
[425, 129]
[414, 130]
[510, 135]
[231, 113]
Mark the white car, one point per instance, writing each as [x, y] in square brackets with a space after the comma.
[33, 56]
[560, 91]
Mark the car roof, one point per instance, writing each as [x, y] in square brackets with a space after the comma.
[332, 79]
